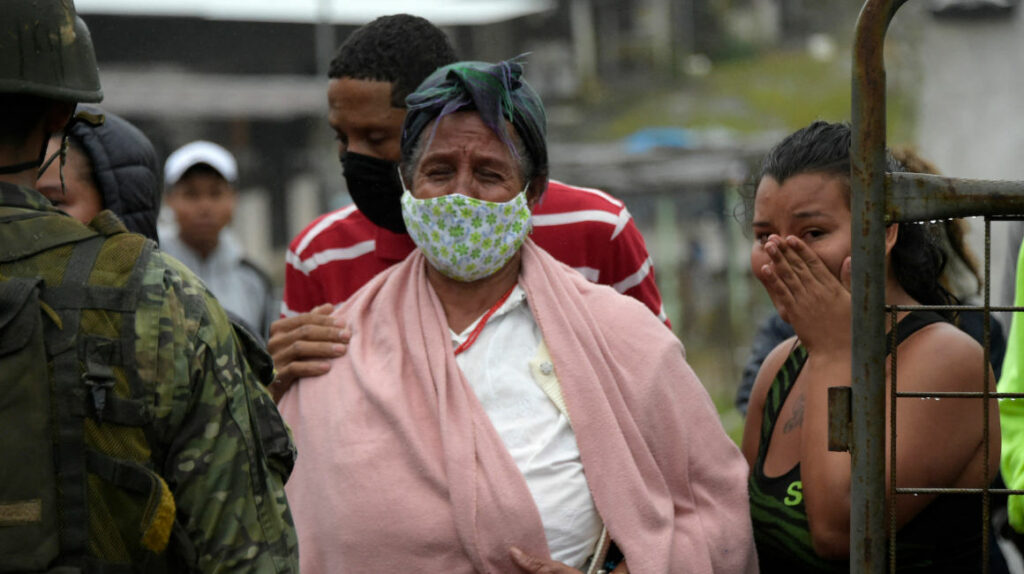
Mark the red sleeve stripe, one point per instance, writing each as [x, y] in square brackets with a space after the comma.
[293, 260]
[286, 312]
[592, 191]
[636, 278]
[324, 223]
[553, 219]
[307, 265]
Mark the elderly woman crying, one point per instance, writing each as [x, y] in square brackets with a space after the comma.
[497, 412]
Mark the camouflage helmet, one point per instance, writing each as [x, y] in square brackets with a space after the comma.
[46, 51]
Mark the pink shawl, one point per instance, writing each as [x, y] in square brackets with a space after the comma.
[400, 470]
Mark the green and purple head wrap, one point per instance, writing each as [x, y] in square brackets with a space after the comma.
[496, 91]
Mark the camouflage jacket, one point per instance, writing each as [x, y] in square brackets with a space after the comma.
[215, 436]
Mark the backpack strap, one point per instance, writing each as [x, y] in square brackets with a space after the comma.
[68, 398]
[99, 353]
[69, 298]
[81, 295]
[133, 293]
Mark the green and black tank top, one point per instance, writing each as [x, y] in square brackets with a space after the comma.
[944, 537]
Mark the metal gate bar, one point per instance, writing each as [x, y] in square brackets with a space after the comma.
[877, 199]
[893, 346]
[986, 495]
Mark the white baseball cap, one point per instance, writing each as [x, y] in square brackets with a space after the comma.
[198, 152]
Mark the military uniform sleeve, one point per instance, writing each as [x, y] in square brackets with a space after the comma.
[226, 450]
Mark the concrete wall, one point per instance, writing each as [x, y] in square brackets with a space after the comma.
[972, 96]
[971, 109]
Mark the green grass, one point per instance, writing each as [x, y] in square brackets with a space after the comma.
[774, 91]
[716, 370]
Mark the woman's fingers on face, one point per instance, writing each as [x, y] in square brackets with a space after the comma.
[773, 246]
[780, 266]
[783, 253]
[777, 290]
[766, 274]
[806, 255]
[789, 273]
[810, 265]
[845, 273]
[784, 278]
[799, 256]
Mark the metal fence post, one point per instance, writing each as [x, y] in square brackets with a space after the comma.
[868, 206]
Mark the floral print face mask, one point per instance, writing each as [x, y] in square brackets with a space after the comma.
[464, 238]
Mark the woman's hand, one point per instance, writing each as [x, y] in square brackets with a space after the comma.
[537, 565]
[808, 296]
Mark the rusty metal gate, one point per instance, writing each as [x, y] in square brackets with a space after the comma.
[879, 198]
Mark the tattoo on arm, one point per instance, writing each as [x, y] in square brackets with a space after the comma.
[797, 419]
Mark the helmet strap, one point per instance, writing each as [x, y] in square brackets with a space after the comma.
[26, 165]
[62, 153]
[19, 167]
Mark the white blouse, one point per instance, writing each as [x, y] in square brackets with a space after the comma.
[509, 369]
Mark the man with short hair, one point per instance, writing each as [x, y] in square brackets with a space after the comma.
[200, 178]
[136, 434]
[373, 72]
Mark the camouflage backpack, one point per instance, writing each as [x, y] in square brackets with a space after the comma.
[78, 488]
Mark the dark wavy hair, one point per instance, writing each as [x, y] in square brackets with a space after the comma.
[951, 233]
[400, 49]
[917, 259]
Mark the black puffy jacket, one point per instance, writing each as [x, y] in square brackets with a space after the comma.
[124, 166]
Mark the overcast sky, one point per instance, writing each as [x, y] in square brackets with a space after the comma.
[440, 12]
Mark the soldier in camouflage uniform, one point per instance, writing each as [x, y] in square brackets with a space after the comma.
[157, 448]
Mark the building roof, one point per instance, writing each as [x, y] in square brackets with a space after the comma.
[182, 94]
[442, 13]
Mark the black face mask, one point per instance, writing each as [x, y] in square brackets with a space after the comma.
[375, 188]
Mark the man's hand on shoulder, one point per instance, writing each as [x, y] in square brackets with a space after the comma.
[303, 345]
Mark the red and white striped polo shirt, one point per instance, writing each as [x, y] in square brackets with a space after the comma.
[586, 229]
